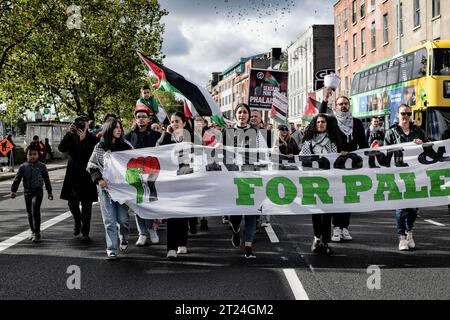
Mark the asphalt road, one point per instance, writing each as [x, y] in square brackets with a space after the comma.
[213, 269]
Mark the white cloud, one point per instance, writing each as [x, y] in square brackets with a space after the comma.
[206, 37]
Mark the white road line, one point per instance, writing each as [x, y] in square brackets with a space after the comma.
[290, 274]
[435, 223]
[272, 236]
[24, 235]
[295, 284]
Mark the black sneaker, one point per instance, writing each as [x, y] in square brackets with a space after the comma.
[193, 229]
[77, 231]
[204, 225]
[236, 239]
[85, 239]
[249, 253]
[36, 238]
[326, 249]
[316, 247]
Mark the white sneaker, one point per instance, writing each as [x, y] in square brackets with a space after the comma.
[182, 250]
[409, 238]
[346, 235]
[337, 234]
[142, 241]
[403, 244]
[154, 239]
[172, 254]
[264, 225]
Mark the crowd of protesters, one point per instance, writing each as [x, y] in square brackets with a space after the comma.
[86, 144]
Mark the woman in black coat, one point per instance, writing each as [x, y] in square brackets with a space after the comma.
[177, 228]
[78, 186]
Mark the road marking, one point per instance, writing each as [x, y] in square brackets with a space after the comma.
[295, 284]
[290, 274]
[435, 223]
[272, 236]
[24, 235]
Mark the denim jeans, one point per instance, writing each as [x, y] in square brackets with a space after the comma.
[250, 226]
[144, 225]
[113, 214]
[405, 220]
[265, 218]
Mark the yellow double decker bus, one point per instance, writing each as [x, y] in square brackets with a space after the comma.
[419, 77]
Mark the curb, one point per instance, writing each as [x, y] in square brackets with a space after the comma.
[8, 176]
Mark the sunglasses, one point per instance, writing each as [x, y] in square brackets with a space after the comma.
[409, 114]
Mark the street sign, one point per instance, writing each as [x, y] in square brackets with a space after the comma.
[5, 146]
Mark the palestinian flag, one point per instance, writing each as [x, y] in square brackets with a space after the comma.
[269, 78]
[312, 108]
[189, 111]
[171, 81]
[279, 108]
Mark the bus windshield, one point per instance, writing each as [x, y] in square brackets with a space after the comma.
[441, 62]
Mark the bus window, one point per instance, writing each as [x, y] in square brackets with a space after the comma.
[406, 67]
[392, 75]
[372, 79]
[420, 63]
[363, 83]
[381, 76]
[441, 59]
[355, 84]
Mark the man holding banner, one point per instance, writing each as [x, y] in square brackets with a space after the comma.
[404, 132]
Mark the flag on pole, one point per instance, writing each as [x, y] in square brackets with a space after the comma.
[312, 108]
[171, 81]
[279, 107]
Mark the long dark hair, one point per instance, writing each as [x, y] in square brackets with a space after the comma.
[184, 119]
[332, 130]
[107, 137]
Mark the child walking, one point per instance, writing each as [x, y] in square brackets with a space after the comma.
[34, 175]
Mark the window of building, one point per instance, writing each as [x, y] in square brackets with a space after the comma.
[346, 52]
[385, 29]
[345, 20]
[363, 41]
[355, 47]
[436, 8]
[363, 8]
[338, 25]
[373, 36]
[354, 12]
[338, 57]
[372, 4]
[416, 13]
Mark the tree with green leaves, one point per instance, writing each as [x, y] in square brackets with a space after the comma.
[81, 59]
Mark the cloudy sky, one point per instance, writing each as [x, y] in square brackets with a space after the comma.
[205, 36]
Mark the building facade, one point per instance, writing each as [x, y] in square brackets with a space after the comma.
[310, 58]
[364, 34]
[420, 21]
[230, 87]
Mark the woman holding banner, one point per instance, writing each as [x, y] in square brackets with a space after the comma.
[244, 137]
[177, 228]
[321, 137]
[113, 213]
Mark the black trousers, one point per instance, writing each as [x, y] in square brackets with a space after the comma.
[82, 218]
[322, 226]
[177, 233]
[33, 201]
[341, 220]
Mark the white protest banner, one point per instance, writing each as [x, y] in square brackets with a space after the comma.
[180, 181]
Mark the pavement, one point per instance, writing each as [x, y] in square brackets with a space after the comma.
[213, 270]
